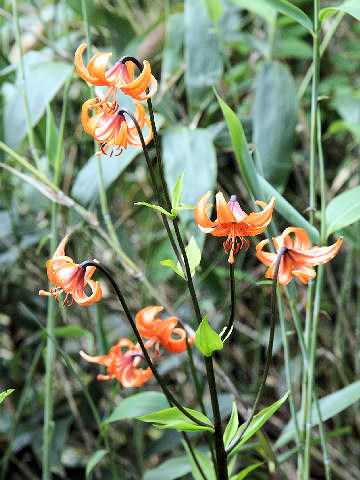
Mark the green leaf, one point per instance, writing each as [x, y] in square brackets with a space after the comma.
[214, 8]
[43, 79]
[7, 392]
[288, 211]
[343, 210]
[155, 207]
[204, 461]
[241, 150]
[94, 460]
[176, 196]
[137, 405]
[194, 256]
[52, 136]
[232, 426]
[273, 133]
[330, 406]
[174, 418]
[292, 11]
[206, 339]
[244, 473]
[202, 54]
[258, 421]
[86, 185]
[258, 7]
[70, 331]
[352, 8]
[170, 469]
[191, 151]
[171, 264]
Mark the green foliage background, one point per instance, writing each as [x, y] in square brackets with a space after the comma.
[258, 60]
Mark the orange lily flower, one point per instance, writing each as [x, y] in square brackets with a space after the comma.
[160, 331]
[298, 258]
[122, 366]
[232, 221]
[111, 129]
[71, 278]
[119, 76]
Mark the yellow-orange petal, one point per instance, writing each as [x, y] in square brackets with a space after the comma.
[145, 318]
[224, 214]
[261, 219]
[83, 71]
[301, 240]
[304, 274]
[267, 258]
[316, 255]
[96, 359]
[136, 88]
[200, 213]
[97, 66]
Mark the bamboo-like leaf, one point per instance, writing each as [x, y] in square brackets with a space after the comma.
[292, 11]
[343, 210]
[352, 8]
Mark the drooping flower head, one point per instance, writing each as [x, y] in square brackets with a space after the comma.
[232, 221]
[119, 76]
[111, 129]
[71, 278]
[161, 332]
[298, 258]
[122, 365]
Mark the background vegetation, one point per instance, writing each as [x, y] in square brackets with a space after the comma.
[260, 62]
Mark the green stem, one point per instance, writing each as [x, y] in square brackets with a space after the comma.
[168, 394]
[238, 437]
[221, 464]
[289, 376]
[30, 130]
[323, 46]
[233, 304]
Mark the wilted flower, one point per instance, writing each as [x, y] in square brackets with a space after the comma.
[160, 332]
[298, 257]
[122, 365]
[232, 221]
[71, 278]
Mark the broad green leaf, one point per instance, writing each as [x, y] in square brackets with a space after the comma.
[171, 469]
[194, 256]
[258, 7]
[51, 138]
[206, 339]
[172, 57]
[70, 331]
[287, 8]
[232, 426]
[352, 8]
[192, 152]
[241, 150]
[273, 133]
[204, 462]
[137, 405]
[258, 421]
[94, 460]
[171, 264]
[343, 210]
[155, 207]
[214, 8]
[4, 394]
[86, 185]
[202, 52]
[330, 406]
[287, 211]
[176, 196]
[244, 473]
[43, 79]
[174, 418]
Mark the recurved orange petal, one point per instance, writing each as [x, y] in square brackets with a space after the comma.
[316, 255]
[200, 213]
[224, 214]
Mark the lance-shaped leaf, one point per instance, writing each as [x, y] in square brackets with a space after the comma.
[173, 418]
[206, 339]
